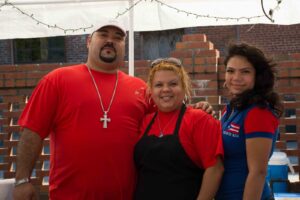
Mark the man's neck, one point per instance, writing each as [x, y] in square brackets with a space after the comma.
[105, 68]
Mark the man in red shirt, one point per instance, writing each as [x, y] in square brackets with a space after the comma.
[92, 113]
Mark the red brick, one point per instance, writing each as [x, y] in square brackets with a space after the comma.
[15, 75]
[189, 69]
[4, 106]
[283, 82]
[181, 45]
[283, 73]
[142, 70]
[31, 82]
[13, 99]
[194, 37]
[207, 53]
[210, 76]
[142, 76]
[213, 84]
[34, 75]
[213, 100]
[199, 45]
[9, 114]
[142, 63]
[295, 82]
[199, 69]
[211, 60]
[221, 68]
[187, 61]
[7, 92]
[194, 45]
[295, 73]
[199, 61]
[295, 56]
[9, 83]
[182, 53]
[29, 67]
[221, 60]
[7, 68]
[205, 68]
[20, 83]
[206, 92]
[47, 67]
[289, 64]
[288, 90]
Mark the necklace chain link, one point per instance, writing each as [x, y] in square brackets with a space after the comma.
[161, 131]
[105, 112]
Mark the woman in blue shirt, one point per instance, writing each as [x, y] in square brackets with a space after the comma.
[249, 124]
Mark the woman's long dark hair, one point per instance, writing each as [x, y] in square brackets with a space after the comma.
[263, 93]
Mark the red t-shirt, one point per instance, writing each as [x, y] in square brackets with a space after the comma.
[200, 134]
[88, 161]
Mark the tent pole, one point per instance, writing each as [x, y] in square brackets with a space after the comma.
[131, 40]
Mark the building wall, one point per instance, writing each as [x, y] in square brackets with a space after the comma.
[76, 50]
[273, 39]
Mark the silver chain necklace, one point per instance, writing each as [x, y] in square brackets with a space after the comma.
[161, 130]
[105, 118]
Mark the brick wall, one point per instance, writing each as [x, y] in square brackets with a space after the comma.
[201, 59]
[273, 39]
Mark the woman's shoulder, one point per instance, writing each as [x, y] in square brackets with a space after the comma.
[198, 115]
[259, 111]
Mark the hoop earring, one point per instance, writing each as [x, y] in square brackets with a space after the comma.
[185, 100]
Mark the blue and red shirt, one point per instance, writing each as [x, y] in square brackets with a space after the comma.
[237, 127]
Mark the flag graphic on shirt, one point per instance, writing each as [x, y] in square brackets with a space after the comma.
[233, 128]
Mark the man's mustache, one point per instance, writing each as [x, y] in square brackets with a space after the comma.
[109, 45]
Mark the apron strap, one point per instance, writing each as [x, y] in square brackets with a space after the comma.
[150, 124]
[178, 123]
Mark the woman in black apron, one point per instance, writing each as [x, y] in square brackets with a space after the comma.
[179, 153]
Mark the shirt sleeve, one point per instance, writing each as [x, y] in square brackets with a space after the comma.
[39, 113]
[208, 140]
[260, 122]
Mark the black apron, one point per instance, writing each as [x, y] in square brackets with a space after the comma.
[165, 171]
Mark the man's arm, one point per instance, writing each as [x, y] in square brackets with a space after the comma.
[29, 148]
[206, 107]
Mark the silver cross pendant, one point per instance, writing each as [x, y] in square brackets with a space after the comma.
[105, 119]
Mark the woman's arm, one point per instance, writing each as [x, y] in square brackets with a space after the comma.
[258, 151]
[260, 127]
[211, 181]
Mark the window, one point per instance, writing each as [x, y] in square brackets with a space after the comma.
[159, 44]
[39, 50]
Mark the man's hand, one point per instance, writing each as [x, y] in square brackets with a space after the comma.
[205, 106]
[25, 191]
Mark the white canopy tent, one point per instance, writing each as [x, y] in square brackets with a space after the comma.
[46, 18]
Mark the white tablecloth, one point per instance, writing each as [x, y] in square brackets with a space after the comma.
[6, 189]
